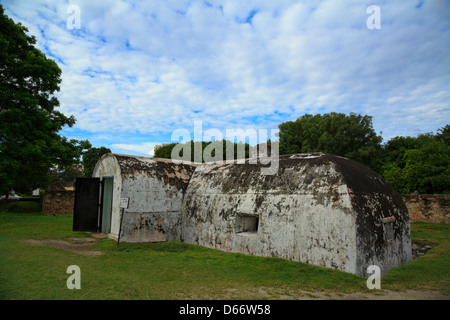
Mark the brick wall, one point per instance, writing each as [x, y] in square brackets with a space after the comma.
[432, 208]
[58, 202]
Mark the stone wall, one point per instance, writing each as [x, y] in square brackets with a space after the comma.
[433, 208]
[58, 202]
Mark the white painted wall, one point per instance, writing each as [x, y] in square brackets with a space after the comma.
[291, 226]
[109, 166]
[306, 213]
[154, 189]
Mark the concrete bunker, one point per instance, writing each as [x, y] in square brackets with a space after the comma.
[155, 189]
[318, 208]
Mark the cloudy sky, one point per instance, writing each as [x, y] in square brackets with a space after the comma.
[135, 71]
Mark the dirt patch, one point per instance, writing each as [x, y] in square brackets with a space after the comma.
[77, 245]
[421, 248]
[379, 295]
[272, 293]
[398, 295]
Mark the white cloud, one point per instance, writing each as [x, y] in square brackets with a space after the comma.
[152, 67]
[146, 148]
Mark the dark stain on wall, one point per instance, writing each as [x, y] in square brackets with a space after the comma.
[176, 175]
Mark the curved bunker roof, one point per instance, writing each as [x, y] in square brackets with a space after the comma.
[318, 208]
[175, 175]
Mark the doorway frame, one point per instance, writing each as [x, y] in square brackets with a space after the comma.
[106, 204]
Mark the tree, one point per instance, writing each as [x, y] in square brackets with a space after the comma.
[66, 176]
[351, 136]
[165, 151]
[394, 150]
[29, 124]
[444, 134]
[419, 163]
[91, 157]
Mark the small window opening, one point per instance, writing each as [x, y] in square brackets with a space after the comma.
[246, 224]
[389, 228]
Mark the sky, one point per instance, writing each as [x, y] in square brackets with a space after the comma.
[135, 72]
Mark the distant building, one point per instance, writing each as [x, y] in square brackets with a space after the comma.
[12, 196]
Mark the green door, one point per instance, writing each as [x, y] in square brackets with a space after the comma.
[107, 184]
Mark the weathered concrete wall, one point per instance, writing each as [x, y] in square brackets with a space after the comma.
[306, 212]
[383, 233]
[154, 208]
[318, 208]
[58, 202]
[150, 226]
[431, 208]
[155, 188]
[108, 166]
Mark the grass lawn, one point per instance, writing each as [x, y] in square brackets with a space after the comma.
[172, 270]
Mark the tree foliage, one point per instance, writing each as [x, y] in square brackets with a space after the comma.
[419, 163]
[29, 122]
[409, 164]
[239, 150]
[91, 157]
[350, 136]
[66, 175]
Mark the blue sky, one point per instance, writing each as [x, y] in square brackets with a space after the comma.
[135, 71]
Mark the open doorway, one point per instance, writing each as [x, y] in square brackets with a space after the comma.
[107, 196]
[86, 205]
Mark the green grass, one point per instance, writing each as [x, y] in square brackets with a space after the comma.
[172, 270]
[430, 271]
